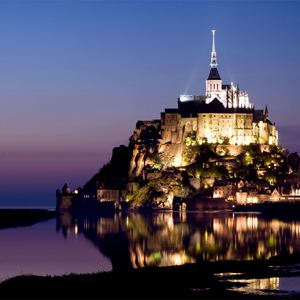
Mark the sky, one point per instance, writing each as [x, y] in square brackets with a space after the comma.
[76, 76]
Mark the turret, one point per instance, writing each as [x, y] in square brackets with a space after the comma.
[64, 199]
[66, 189]
[266, 112]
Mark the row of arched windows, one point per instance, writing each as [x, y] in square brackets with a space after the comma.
[214, 86]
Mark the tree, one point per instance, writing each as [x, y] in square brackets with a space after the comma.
[294, 161]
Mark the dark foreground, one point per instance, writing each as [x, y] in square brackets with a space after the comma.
[192, 281]
[23, 217]
[285, 210]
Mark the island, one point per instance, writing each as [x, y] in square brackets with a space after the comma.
[214, 151]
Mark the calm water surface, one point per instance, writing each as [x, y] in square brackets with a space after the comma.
[85, 244]
[41, 250]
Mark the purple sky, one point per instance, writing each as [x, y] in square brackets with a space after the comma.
[75, 76]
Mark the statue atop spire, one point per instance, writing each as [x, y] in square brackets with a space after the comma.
[213, 61]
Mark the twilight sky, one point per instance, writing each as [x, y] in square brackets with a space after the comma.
[75, 76]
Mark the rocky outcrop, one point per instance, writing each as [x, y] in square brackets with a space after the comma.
[114, 174]
[145, 142]
[152, 148]
[159, 193]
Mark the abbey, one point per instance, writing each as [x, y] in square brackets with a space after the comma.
[223, 115]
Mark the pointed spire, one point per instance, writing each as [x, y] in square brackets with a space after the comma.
[213, 74]
[213, 61]
[266, 111]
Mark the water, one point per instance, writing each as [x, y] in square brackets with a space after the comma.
[282, 286]
[164, 239]
[41, 250]
[86, 244]
[50, 208]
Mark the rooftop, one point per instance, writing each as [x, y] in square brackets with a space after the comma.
[214, 74]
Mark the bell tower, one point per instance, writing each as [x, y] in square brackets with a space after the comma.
[214, 81]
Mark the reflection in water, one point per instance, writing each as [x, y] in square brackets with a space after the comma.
[258, 285]
[39, 250]
[279, 286]
[264, 283]
[134, 240]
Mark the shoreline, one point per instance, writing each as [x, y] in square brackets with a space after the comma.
[283, 210]
[192, 281]
[18, 217]
[12, 218]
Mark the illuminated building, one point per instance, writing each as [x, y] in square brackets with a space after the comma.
[223, 115]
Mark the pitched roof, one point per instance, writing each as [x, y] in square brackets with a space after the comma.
[193, 108]
[224, 86]
[214, 74]
[258, 115]
[215, 106]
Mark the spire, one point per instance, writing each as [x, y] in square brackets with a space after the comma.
[213, 61]
[266, 111]
[213, 74]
